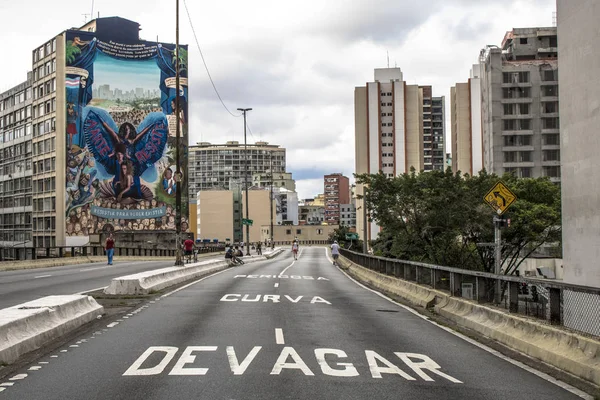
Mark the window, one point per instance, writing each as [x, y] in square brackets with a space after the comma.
[550, 75]
[550, 123]
[551, 140]
[288, 231]
[515, 77]
[551, 155]
[516, 92]
[523, 41]
[553, 41]
[553, 171]
[550, 90]
[550, 107]
[510, 156]
[298, 231]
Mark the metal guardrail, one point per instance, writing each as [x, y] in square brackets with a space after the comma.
[32, 253]
[573, 306]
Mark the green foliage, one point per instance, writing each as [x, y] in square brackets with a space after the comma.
[339, 234]
[71, 52]
[440, 217]
[183, 57]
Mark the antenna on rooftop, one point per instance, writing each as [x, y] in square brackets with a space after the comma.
[92, 13]
[388, 58]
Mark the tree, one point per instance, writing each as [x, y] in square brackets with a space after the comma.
[340, 233]
[440, 217]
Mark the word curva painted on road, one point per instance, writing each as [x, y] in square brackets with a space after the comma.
[274, 298]
[419, 366]
[310, 278]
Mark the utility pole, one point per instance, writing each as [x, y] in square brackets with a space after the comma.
[178, 258]
[271, 196]
[498, 256]
[244, 110]
[365, 239]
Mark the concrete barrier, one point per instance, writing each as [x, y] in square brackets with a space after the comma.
[28, 326]
[560, 348]
[149, 281]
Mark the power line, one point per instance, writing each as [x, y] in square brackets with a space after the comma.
[204, 62]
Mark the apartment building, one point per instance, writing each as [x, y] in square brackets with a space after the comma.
[579, 124]
[389, 135]
[16, 169]
[434, 131]
[280, 180]
[466, 127]
[348, 215]
[213, 166]
[337, 191]
[60, 168]
[519, 103]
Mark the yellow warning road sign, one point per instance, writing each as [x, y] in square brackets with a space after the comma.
[500, 198]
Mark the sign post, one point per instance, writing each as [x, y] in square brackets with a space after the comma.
[500, 198]
[246, 221]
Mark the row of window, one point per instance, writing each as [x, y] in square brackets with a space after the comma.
[44, 89]
[547, 75]
[15, 219]
[11, 201]
[44, 185]
[47, 204]
[527, 156]
[14, 117]
[16, 99]
[44, 50]
[526, 124]
[47, 165]
[44, 70]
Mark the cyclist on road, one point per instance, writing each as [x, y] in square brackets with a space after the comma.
[295, 249]
[335, 252]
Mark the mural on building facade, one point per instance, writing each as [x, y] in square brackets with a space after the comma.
[121, 135]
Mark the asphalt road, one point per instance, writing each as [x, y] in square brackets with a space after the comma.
[20, 286]
[275, 330]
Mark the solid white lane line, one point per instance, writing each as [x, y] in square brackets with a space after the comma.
[279, 336]
[277, 285]
[41, 276]
[496, 353]
[292, 264]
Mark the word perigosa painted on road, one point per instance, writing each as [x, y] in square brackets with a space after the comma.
[330, 362]
[309, 278]
[272, 298]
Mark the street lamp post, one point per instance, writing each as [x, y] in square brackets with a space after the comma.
[178, 180]
[271, 197]
[244, 110]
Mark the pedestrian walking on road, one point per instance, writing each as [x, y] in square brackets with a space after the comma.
[109, 246]
[259, 248]
[295, 249]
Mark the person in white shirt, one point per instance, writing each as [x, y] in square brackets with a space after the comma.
[295, 249]
[335, 251]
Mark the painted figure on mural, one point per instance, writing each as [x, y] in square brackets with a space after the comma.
[72, 116]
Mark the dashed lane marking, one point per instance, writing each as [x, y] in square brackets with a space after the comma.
[279, 336]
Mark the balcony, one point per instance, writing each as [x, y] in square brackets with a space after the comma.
[520, 100]
[517, 164]
[518, 148]
[550, 146]
[551, 163]
[516, 84]
[513, 133]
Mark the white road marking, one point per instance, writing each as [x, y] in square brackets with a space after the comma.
[94, 269]
[279, 336]
[64, 351]
[7, 384]
[519, 364]
[53, 356]
[239, 368]
[277, 285]
[2, 389]
[112, 325]
[74, 345]
[189, 284]
[18, 377]
[35, 368]
[41, 276]
[43, 362]
[90, 290]
[292, 264]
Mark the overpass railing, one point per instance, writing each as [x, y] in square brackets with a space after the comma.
[572, 306]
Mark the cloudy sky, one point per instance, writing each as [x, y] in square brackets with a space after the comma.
[295, 63]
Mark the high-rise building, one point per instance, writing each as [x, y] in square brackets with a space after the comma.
[16, 169]
[213, 166]
[519, 103]
[466, 128]
[337, 192]
[434, 130]
[280, 180]
[80, 142]
[579, 124]
[390, 136]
